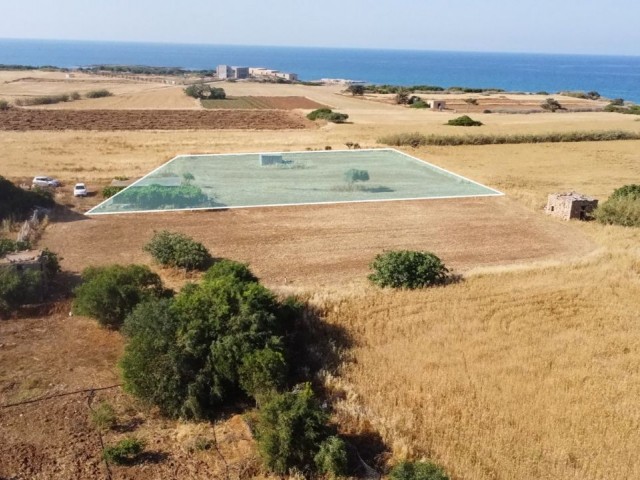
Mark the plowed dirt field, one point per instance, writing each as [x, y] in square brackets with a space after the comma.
[33, 119]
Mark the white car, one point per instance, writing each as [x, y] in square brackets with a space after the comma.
[42, 181]
[79, 190]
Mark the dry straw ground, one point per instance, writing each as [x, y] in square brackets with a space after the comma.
[525, 370]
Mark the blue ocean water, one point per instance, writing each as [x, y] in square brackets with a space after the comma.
[612, 76]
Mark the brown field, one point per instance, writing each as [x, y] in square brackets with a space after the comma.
[526, 369]
[263, 103]
[111, 120]
[328, 246]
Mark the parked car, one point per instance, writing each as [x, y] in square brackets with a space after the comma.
[45, 182]
[79, 190]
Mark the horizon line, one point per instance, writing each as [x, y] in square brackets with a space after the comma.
[318, 47]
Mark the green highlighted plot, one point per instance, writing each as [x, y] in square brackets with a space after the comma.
[272, 179]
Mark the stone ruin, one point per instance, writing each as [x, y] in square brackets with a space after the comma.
[570, 205]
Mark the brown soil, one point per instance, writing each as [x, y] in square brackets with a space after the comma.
[56, 438]
[18, 119]
[314, 246]
[262, 103]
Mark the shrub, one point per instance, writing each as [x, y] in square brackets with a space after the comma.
[208, 347]
[124, 451]
[74, 96]
[51, 263]
[356, 90]
[418, 139]
[331, 458]
[104, 416]
[110, 293]
[45, 100]
[291, 427]
[413, 139]
[336, 117]
[228, 268]
[417, 471]
[4, 105]
[19, 288]
[624, 211]
[327, 114]
[419, 104]
[9, 246]
[631, 190]
[354, 175]
[464, 121]
[177, 250]
[407, 269]
[551, 105]
[617, 102]
[98, 93]
[110, 191]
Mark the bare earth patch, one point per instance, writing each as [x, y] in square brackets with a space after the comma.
[313, 246]
[263, 103]
[56, 438]
[38, 119]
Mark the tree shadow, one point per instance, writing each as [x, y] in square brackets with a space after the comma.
[378, 189]
[368, 454]
[64, 214]
[151, 457]
[128, 426]
[315, 345]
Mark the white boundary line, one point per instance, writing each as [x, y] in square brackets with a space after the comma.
[496, 193]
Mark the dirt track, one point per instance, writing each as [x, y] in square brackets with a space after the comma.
[36, 119]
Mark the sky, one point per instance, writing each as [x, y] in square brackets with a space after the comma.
[542, 26]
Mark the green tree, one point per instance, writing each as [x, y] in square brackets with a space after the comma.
[110, 293]
[551, 104]
[291, 428]
[402, 97]
[215, 343]
[408, 269]
[332, 459]
[203, 91]
[356, 90]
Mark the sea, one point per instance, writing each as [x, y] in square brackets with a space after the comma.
[611, 76]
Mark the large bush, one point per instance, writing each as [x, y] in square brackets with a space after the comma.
[328, 115]
[417, 471]
[19, 288]
[464, 121]
[622, 208]
[178, 250]
[111, 293]
[407, 269]
[213, 344]
[204, 91]
[291, 428]
[98, 93]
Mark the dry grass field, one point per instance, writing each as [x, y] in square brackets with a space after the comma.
[526, 369]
